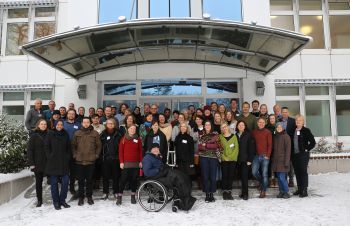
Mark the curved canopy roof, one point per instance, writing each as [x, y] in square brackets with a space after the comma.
[103, 47]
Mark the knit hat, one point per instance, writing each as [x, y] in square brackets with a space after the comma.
[56, 112]
[155, 145]
[206, 107]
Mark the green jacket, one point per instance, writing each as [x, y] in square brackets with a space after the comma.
[230, 148]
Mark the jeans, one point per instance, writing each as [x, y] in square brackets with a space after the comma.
[59, 197]
[111, 170]
[228, 171]
[39, 177]
[209, 168]
[261, 163]
[282, 182]
[85, 173]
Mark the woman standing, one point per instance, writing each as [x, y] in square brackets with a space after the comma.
[130, 156]
[303, 143]
[146, 126]
[245, 155]
[281, 159]
[271, 123]
[222, 110]
[176, 129]
[58, 153]
[231, 121]
[197, 131]
[110, 138]
[156, 136]
[37, 157]
[165, 127]
[184, 149]
[217, 122]
[138, 116]
[128, 121]
[209, 152]
[54, 119]
[229, 144]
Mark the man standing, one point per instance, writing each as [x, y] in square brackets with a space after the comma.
[247, 117]
[289, 126]
[86, 148]
[108, 115]
[263, 147]
[154, 111]
[34, 114]
[63, 112]
[255, 107]
[234, 108]
[277, 111]
[48, 113]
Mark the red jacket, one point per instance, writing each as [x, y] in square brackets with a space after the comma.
[130, 150]
[263, 141]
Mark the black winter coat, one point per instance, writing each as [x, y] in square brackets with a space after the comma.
[36, 151]
[184, 147]
[58, 153]
[110, 145]
[246, 147]
[149, 140]
[306, 140]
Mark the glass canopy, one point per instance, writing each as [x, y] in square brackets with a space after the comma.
[104, 47]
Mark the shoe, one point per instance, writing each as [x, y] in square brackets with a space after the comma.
[65, 205]
[119, 200]
[72, 191]
[133, 199]
[224, 195]
[303, 193]
[297, 192]
[291, 183]
[81, 202]
[75, 196]
[105, 196]
[39, 204]
[280, 195]
[207, 199]
[211, 197]
[90, 201]
[57, 206]
[229, 196]
[245, 197]
[286, 195]
[262, 194]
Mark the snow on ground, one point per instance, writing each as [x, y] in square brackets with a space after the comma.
[13, 176]
[328, 204]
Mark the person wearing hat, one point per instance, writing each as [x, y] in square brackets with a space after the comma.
[207, 113]
[52, 122]
[281, 159]
[154, 169]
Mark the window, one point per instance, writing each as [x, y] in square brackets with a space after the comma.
[278, 5]
[223, 9]
[225, 101]
[222, 87]
[45, 12]
[339, 4]
[165, 88]
[287, 91]
[17, 35]
[313, 26]
[44, 95]
[340, 31]
[110, 10]
[13, 96]
[120, 89]
[293, 106]
[14, 112]
[117, 103]
[343, 90]
[159, 8]
[180, 8]
[318, 117]
[284, 22]
[310, 5]
[343, 117]
[319, 90]
[17, 13]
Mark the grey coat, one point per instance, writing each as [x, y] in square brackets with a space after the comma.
[281, 153]
[32, 118]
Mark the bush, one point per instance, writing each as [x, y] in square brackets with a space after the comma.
[13, 143]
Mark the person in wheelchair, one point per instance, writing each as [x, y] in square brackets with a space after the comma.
[154, 169]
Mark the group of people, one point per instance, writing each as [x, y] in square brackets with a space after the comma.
[212, 145]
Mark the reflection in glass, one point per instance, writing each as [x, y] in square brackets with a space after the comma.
[110, 10]
[293, 106]
[225, 101]
[343, 90]
[179, 8]
[10, 96]
[182, 105]
[340, 31]
[287, 91]
[310, 5]
[45, 95]
[159, 8]
[14, 112]
[223, 9]
[222, 87]
[45, 12]
[284, 22]
[318, 117]
[42, 29]
[276, 5]
[339, 4]
[17, 13]
[116, 103]
[343, 117]
[321, 90]
[120, 89]
[165, 88]
[313, 26]
[17, 35]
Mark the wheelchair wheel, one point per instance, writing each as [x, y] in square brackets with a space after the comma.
[152, 196]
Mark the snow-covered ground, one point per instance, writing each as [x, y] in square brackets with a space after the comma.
[328, 204]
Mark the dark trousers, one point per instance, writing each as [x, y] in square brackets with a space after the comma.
[209, 168]
[59, 197]
[72, 175]
[228, 171]
[244, 169]
[111, 170]
[300, 163]
[84, 174]
[129, 175]
[39, 177]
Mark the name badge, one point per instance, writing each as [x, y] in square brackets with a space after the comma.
[184, 141]
[237, 114]
[40, 115]
[298, 133]
[136, 141]
[232, 145]
[75, 127]
[108, 138]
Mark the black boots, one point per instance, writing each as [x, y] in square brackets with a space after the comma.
[226, 195]
[297, 192]
[39, 203]
[133, 199]
[303, 193]
[207, 198]
[119, 200]
[211, 197]
[57, 206]
[90, 201]
[81, 201]
[65, 205]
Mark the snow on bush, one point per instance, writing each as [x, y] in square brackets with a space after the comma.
[13, 142]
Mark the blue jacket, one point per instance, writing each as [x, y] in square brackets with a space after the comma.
[151, 165]
[47, 114]
[70, 128]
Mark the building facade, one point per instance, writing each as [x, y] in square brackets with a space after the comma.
[314, 82]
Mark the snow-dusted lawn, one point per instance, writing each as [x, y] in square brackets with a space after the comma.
[328, 204]
[13, 176]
